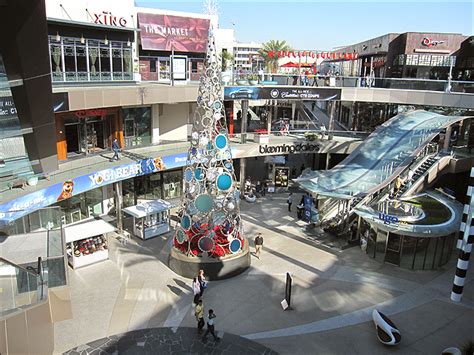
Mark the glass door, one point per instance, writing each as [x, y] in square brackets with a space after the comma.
[394, 247]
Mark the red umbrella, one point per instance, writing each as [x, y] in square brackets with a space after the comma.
[290, 65]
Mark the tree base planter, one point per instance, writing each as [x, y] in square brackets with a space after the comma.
[214, 268]
[241, 82]
[253, 82]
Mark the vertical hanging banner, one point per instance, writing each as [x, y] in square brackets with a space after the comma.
[166, 32]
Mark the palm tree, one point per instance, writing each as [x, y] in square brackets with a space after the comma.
[227, 60]
[269, 52]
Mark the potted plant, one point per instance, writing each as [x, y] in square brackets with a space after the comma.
[241, 80]
[227, 60]
[253, 79]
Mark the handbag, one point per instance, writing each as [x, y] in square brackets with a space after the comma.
[204, 284]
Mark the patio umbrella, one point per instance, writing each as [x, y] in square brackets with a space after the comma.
[289, 65]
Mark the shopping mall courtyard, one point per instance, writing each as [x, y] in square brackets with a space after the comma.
[334, 293]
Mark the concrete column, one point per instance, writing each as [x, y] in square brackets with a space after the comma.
[293, 110]
[269, 121]
[332, 109]
[155, 124]
[118, 203]
[328, 160]
[447, 138]
[243, 124]
[242, 175]
[275, 109]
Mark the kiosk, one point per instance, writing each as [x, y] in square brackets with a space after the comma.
[86, 243]
[150, 219]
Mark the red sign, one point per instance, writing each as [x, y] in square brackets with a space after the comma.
[106, 18]
[430, 42]
[166, 32]
[310, 54]
[94, 112]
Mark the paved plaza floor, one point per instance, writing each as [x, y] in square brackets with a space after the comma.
[334, 293]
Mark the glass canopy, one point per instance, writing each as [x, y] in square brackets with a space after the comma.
[391, 146]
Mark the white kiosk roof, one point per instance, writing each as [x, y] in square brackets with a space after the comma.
[87, 230]
[147, 208]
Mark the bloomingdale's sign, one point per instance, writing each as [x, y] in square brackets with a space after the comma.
[288, 148]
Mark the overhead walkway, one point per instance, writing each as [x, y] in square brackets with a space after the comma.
[380, 158]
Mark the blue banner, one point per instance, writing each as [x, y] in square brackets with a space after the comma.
[42, 198]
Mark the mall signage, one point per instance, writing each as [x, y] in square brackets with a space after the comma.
[107, 18]
[288, 148]
[312, 54]
[26, 204]
[430, 42]
[388, 219]
[166, 32]
[280, 92]
[7, 107]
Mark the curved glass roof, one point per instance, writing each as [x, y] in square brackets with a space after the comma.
[388, 148]
[440, 215]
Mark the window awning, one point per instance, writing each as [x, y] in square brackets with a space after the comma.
[87, 230]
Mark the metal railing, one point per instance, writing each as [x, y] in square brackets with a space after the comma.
[353, 81]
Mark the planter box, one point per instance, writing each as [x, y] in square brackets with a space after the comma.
[261, 138]
[241, 82]
[253, 82]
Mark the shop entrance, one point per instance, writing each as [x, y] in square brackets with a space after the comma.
[95, 138]
[72, 138]
[394, 247]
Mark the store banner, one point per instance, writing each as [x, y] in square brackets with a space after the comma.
[280, 92]
[8, 109]
[308, 204]
[26, 204]
[166, 32]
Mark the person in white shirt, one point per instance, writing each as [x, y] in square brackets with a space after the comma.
[196, 290]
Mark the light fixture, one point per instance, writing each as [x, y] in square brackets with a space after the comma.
[83, 40]
[58, 37]
[129, 43]
[106, 41]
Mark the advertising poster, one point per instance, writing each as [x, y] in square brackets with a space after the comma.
[144, 68]
[179, 68]
[166, 32]
[280, 92]
[308, 203]
[281, 177]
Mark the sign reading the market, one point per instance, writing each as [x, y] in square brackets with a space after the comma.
[106, 18]
[430, 42]
[280, 92]
[166, 32]
[288, 148]
[311, 54]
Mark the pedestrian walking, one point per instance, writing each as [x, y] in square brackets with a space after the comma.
[199, 312]
[290, 201]
[116, 150]
[196, 290]
[258, 244]
[211, 326]
[202, 281]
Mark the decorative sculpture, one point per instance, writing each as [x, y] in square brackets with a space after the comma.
[210, 226]
[387, 331]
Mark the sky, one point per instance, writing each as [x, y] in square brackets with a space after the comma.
[325, 25]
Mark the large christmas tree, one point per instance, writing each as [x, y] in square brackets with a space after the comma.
[210, 224]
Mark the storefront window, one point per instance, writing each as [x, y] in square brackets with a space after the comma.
[82, 206]
[172, 184]
[137, 126]
[148, 187]
[88, 59]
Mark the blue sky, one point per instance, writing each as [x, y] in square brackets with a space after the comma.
[328, 24]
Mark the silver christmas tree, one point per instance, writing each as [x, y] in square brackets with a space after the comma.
[210, 224]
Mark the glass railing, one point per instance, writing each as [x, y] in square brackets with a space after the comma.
[352, 81]
[20, 287]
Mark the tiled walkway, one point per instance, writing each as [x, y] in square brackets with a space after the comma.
[333, 293]
[169, 341]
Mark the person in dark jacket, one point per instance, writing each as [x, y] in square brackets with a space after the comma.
[116, 149]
